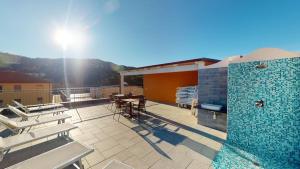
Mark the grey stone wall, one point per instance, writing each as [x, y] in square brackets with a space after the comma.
[205, 118]
[212, 89]
[212, 86]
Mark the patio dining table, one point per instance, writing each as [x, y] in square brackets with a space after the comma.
[130, 102]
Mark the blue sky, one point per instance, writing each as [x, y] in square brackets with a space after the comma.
[145, 32]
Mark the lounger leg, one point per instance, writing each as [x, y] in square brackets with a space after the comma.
[15, 132]
[7, 151]
[78, 164]
[24, 119]
[2, 155]
[29, 129]
[19, 131]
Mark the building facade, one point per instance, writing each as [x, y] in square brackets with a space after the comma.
[162, 80]
[23, 88]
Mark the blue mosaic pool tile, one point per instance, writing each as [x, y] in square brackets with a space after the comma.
[270, 133]
[231, 157]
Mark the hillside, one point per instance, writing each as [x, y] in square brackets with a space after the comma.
[79, 72]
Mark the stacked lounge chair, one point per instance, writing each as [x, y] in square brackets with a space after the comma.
[185, 95]
[25, 115]
[63, 156]
[39, 107]
[19, 127]
[17, 140]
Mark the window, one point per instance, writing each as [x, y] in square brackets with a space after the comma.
[1, 103]
[40, 100]
[17, 88]
[18, 100]
[1, 88]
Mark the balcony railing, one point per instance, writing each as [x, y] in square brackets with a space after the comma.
[45, 96]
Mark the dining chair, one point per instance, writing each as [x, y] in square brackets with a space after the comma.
[120, 108]
[141, 106]
[111, 101]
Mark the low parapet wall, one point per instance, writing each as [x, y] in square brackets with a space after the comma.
[109, 90]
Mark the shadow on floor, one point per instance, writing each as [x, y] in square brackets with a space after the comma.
[183, 126]
[29, 152]
[149, 126]
[92, 118]
[5, 133]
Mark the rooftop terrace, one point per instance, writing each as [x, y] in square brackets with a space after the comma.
[166, 137]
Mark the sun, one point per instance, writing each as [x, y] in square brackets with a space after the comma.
[69, 38]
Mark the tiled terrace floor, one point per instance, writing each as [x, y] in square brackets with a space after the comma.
[168, 138]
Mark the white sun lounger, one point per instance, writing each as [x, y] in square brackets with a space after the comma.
[57, 158]
[25, 116]
[13, 141]
[19, 127]
[38, 107]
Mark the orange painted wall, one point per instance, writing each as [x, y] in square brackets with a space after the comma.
[162, 87]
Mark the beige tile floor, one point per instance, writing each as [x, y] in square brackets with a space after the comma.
[150, 143]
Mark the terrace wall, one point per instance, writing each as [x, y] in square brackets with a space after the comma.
[108, 90]
[212, 87]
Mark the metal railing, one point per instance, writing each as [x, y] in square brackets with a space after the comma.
[45, 96]
[58, 95]
[79, 94]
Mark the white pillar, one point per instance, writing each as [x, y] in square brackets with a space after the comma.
[122, 84]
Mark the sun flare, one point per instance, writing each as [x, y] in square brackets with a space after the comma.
[69, 38]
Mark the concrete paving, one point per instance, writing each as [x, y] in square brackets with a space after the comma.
[167, 137]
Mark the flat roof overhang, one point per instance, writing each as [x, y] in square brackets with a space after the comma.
[163, 69]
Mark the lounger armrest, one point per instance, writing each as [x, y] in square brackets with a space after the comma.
[8, 122]
[21, 106]
[17, 111]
